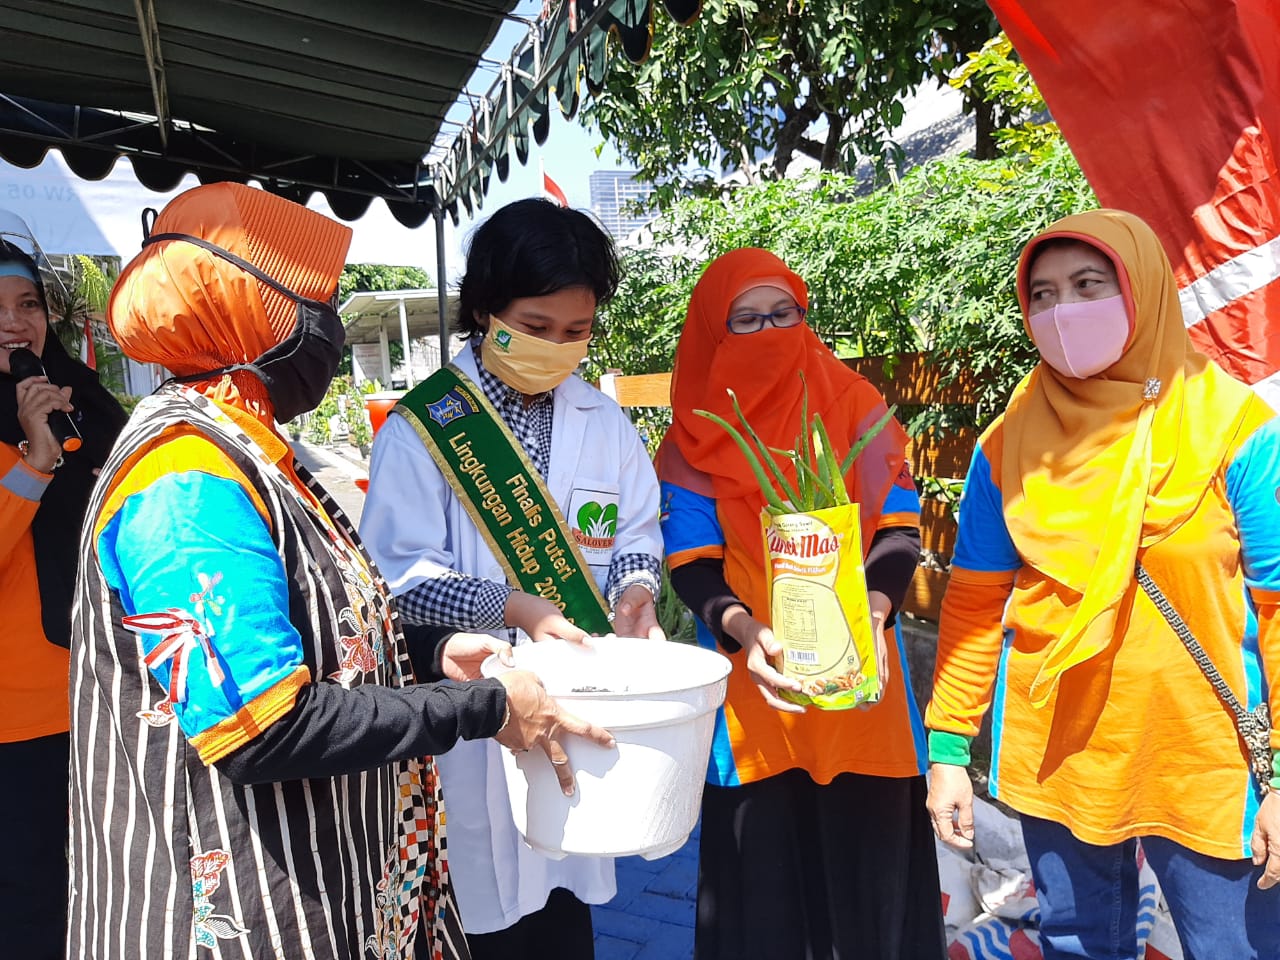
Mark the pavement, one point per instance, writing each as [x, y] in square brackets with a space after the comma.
[651, 918]
[652, 915]
[337, 467]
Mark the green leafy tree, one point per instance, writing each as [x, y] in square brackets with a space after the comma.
[78, 298]
[79, 295]
[753, 77]
[378, 277]
[926, 264]
[996, 76]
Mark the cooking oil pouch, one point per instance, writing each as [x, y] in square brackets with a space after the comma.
[819, 610]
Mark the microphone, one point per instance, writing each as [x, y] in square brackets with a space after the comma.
[23, 364]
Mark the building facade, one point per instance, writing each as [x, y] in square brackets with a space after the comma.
[614, 194]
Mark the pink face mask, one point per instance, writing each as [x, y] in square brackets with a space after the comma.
[1081, 339]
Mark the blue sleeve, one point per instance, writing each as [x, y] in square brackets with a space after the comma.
[690, 527]
[982, 538]
[901, 499]
[1253, 490]
[191, 549]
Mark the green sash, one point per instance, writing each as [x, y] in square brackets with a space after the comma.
[503, 494]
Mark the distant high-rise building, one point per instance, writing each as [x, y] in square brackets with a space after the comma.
[612, 194]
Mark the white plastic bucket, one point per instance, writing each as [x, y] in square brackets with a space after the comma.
[658, 699]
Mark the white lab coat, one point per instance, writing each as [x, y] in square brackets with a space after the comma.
[415, 527]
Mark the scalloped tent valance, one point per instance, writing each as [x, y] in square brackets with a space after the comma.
[301, 95]
[558, 54]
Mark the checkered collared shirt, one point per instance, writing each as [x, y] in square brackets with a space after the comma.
[466, 602]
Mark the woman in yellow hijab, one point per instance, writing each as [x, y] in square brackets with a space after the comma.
[1124, 454]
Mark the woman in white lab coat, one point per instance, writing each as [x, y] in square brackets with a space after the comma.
[536, 274]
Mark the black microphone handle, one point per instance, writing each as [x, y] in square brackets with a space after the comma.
[23, 364]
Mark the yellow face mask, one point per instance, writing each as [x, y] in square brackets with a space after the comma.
[528, 363]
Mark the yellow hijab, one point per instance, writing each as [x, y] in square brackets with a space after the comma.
[1094, 470]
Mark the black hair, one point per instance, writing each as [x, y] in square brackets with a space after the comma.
[11, 253]
[531, 248]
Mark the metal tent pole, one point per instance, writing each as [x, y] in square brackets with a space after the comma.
[408, 352]
[442, 291]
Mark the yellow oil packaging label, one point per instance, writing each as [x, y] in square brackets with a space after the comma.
[818, 606]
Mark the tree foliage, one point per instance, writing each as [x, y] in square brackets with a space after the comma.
[755, 77]
[927, 264]
[78, 294]
[376, 277]
[995, 75]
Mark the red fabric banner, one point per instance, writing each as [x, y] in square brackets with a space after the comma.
[1171, 110]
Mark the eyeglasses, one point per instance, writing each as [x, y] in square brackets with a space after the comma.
[755, 322]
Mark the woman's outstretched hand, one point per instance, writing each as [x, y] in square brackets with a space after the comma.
[536, 720]
[761, 647]
[464, 653]
[540, 618]
[635, 614]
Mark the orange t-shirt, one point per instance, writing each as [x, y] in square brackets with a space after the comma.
[752, 739]
[33, 671]
[1134, 741]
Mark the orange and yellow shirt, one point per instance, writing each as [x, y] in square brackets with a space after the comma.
[752, 740]
[1135, 740]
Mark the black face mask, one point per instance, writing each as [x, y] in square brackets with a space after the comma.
[298, 369]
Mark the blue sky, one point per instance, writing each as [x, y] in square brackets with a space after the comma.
[568, 156]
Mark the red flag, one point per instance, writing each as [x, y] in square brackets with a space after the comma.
[90, 356]
[1171, 110]
[553, 192]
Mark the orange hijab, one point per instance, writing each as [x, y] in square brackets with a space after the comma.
[763, 370]
[1094, 470]
[189, 310]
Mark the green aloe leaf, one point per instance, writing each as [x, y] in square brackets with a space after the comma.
[806, 452]
[820, 477]
[866, 438]
[828, 466]
[773, 503]
[783, 484]
[820, 494]
[804, 486]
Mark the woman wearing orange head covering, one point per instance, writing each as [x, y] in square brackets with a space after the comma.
[246, 742]
[814, 837]
[1123, 447]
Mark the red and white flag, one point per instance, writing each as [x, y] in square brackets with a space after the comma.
[551, 190]
[1173, 111]
[89, 355]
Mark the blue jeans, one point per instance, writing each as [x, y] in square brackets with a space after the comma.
[1089, 898]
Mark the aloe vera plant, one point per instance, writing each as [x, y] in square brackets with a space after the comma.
[819, 474]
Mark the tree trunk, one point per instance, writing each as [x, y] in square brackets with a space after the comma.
[831, 149]
[985, 146]
[791, 137]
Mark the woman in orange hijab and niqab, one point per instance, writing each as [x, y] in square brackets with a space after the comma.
[1124, 449]
[247, 744]
[814, 837]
